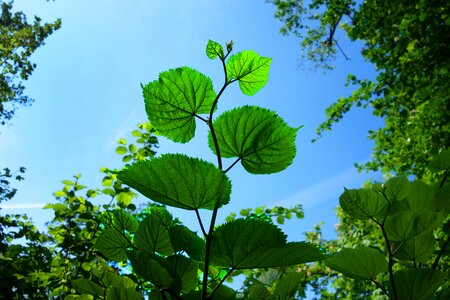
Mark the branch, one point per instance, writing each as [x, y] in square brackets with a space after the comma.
[200, 222]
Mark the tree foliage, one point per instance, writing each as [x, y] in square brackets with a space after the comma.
[19, 39]
[408, 42]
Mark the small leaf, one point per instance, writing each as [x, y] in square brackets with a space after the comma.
[153, 236]
[418, 284]
[441, 162]
[67, 182]
[257, 136]
[250, 69]
[172, 101]
[288, 285]
[364, 204]
[359, 263]
[124, 221]
[136, 133]
[112, 245]
[252, 243]
[121, 150]
[214, 49]
[409, 224]
[180, 181]
[149, 267]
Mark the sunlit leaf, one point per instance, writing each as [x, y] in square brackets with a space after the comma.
[359, 263]
[421, 196]
[397, 188]
[259, 137]
[214, 49]
[250, 69]
[180, 181]
[112, 245]
[172, 101]
[251, 243]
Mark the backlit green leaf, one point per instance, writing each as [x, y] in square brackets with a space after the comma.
[150, 267]
[180, 181]
[418, 249]
[364, 204]
[183, 239]
[186, 269]
[85, 286]
[397, 188]
[122, 293]
[121, 150]
[112, 245]
[359, 263]
[124, 221]
[259, 137]
[441, 162]
[153, 236]
[409, 224]
[214, 49]
[288, 285]
[172, 101]
[418, 284]
[421, 196]
[252, 243]
[250, 69]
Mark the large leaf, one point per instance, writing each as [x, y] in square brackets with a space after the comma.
[172, 101]
[85, 286]
[250, 69]
[288, 285]
[360, 263]
[112, 244]
[180, 181]
[214, 49]
[186, 269]
[251, 243]
[443, 198]
[183, 239]
[421, 196]
[364, 204]
[417, 284]
[441, 162]
[418, 249]
[409, 224]
[397, 188]
[259, 137]
[151, 268]
[153, 236]
[124, 221]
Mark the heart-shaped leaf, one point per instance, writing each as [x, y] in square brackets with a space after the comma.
[153, 236]
[180, 181]
[418, 284]
[364, 204]
[112, 245]
[409, 224]
[173, 101]
[214, 49]
[259, 137]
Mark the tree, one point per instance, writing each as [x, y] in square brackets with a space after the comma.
[408, 42]
[18, 39]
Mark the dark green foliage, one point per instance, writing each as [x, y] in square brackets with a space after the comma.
[19, 39]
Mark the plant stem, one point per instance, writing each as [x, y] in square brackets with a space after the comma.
[381, 288]
[200, 222]
[441, 252]
[221, 281]
[232, 165]
[208, 254]
[390, 264]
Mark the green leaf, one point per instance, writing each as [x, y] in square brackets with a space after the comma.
[409, 224]
[288, 285]
[421, 196]
[186, 269]
[84, 286]
[122, 293]
[136, 133]
[79, 297]
[418, 284]
[180, 181]
[150, 267]
[364, 204]
[359, 263]
[124, 221]
[111, 278]
[250, 69]
[418, 249]
[214, 49]
[397, 188]
[121, 150]
[441, 162]
[112, 245]
[67, 182]
[173, 101]
[153, 236]
[258, 291]
[257, 136]
[443, 198]
[183, 239]
[252, 243]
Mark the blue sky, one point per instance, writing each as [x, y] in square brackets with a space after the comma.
[87, 91]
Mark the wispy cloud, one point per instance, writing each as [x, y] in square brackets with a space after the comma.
[22, 205]
[328, 189]
[124, 128]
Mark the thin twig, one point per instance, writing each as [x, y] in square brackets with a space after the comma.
[220, 283]
[232, 165]
[200, 222]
